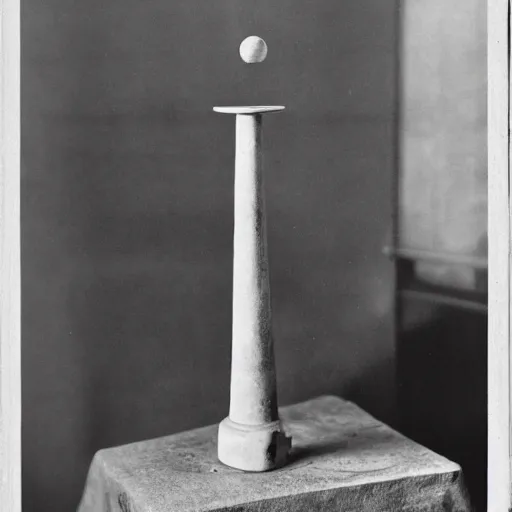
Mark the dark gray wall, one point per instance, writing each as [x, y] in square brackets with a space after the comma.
[127, 184]
[442, 386]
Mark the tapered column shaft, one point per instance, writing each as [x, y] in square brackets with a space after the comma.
[253, 379]
[252, 437]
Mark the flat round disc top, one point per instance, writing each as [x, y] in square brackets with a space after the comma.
[258, 109]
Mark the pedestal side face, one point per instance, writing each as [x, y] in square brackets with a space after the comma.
[253, 382]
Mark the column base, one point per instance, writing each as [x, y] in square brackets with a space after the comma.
[253, 447]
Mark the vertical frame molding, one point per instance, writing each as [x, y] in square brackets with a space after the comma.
[10, 282]
[499, 390]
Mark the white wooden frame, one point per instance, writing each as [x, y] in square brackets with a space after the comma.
[10, 310]
[499, 381]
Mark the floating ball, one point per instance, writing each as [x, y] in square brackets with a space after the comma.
[253, 49]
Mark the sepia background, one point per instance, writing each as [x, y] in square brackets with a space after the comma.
[127, 219]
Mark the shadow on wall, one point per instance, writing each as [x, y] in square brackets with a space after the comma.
[127, 192]
[442, 386]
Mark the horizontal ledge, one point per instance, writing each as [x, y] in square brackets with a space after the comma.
[435, 257]
[444, 300]
[257, 109]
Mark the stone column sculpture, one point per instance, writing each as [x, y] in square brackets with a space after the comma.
[251, 438]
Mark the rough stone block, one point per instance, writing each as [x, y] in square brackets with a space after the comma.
[342, 459]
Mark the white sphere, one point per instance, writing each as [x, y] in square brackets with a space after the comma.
[253, 49]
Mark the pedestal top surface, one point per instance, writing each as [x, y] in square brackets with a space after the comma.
[339, 452]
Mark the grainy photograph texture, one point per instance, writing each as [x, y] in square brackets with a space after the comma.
[255, 256]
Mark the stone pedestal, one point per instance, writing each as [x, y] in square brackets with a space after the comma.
[342, 460]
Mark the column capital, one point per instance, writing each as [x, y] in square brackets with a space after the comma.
[257, 109]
